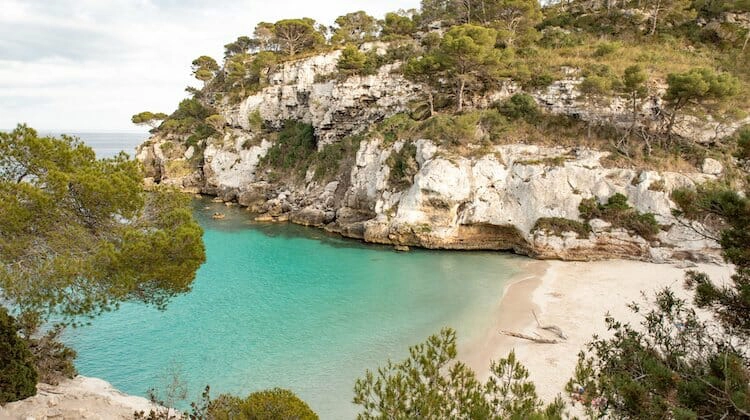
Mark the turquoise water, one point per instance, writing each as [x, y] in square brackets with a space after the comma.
[293, 307]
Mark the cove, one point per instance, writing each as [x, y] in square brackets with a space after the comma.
[279, 305]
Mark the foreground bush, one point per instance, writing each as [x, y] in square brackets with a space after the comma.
[270, 404]
[17, 374]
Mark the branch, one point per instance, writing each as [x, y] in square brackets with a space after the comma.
[530, 338]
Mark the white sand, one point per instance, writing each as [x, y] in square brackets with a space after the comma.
[574, 296]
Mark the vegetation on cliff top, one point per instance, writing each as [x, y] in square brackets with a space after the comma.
[691, 55]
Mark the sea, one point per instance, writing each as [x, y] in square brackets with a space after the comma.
[280, 305]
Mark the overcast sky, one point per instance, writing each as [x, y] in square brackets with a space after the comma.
[91, 64]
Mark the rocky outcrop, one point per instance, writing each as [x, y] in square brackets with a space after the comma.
[78, 398]
[484, 198]
[335, 108]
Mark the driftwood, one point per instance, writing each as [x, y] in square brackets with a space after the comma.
[539, 340]
[551, 328]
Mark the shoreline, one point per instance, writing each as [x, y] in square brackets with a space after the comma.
[574, 296]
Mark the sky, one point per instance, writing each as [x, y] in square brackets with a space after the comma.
[88, 65]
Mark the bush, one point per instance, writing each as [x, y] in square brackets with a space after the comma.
[620, 215]
[453, 130]
[296, 142]
[520, 106]
[559, 225]
[18, 376]
[606, 48]
[743, 143]
[403, 166]
[270, 404]
[396, 127]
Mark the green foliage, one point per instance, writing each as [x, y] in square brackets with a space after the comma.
[468, 54]
[672, 364]
[606, 48]
[397, 24]
[78, 235]
[204, 68]
[270, 404]
[329, 160]
[431, 384]
[679, 365]
[17, 373]
[190, 120]
[256, 121]
[241, 46]
[453, 130]
[396, 127]
[217, 122]
[743, 143]
[697, 86]
[296, 141]
[148, 118]
[294, 36]
[515, 20]
[403, 166]
[53, 360]
[520, 106]
[558, 226]
[618, 212]
[355, 28]
[352, 60]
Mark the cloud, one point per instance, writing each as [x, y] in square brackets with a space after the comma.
[91, 64]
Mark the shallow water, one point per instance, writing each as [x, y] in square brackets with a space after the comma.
[293, 307]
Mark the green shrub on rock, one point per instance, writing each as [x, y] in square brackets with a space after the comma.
[520, 106]
[17, 374]
[270, 404]
[618, 212]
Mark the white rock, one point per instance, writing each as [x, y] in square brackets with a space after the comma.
[712, 167]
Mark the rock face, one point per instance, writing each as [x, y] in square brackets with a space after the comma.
[78, 398]
[479, 200]
[335, 108]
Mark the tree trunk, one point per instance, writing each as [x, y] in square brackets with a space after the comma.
[431, 101]
[655, 17]
[461, 87]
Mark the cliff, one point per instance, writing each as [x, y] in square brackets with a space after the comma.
[502, 196]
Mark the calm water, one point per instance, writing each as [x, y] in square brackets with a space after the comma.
[286, 306]
[107, 144]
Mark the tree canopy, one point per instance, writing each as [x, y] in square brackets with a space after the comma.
[430, 384]
[354, 27]
[204, 68]
[79, 235]
[296, 35]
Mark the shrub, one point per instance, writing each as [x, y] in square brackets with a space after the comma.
[606, 48]
[620, 215]
[452, 130]
[270, 404]
[296, 141]
[328, 160]
[520, 106]
[18, 376]
[396, 127]
[352, 60]
[403, 166]
[559, 225]
[743, 143]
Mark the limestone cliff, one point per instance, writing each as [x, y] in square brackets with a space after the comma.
[490, 198]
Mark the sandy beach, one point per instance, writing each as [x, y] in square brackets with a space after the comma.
[574, 296]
